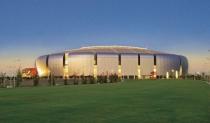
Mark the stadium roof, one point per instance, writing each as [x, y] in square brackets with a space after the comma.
[114, 49]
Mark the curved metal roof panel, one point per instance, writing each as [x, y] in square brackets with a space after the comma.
[114, 49]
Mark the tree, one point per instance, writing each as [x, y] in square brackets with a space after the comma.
[36, 80]
[75, 79]
[102, 79]
[51, 79]
[114, 78]
[2, 79]
[92, 80]
[18, 78]
[65, 80]
[83, 79]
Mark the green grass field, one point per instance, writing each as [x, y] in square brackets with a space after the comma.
[145, 101]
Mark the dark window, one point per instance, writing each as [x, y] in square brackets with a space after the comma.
[95, 59]
[139, 59]
[119, 59]
[155, 60]
[47, 60]
[180, 61]
[64, 59]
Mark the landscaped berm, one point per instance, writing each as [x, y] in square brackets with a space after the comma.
[140, 101]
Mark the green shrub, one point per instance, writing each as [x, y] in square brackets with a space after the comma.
[75, 79]
[51, 79]
[91, 79]
[65, 81]
[102, 79]
[83, 79]
[114, 78]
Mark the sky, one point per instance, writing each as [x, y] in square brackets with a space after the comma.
[30, 28]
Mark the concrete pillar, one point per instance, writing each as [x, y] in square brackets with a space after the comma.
[139, 71]
[155, 71]
[95, 71]
[65, 67]
[119, 71]
[176, 74]
[180, 70]
[167, 75]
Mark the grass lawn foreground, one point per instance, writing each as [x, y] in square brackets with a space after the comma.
[140, 101]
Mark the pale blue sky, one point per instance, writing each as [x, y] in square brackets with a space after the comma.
[29, 28]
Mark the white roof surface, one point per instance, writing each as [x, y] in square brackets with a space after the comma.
[114, 49]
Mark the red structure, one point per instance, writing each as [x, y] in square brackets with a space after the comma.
[29, 72]
[153, 75]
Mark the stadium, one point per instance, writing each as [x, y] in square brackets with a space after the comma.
[125, 61]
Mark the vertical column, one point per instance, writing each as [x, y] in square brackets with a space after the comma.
[176, 74]
[180, 67]
[119, 66]
[47, 66]
[65, 65]
[167, 75]
[155, 67]
[180, 70]
[95, 71]
[139, 66]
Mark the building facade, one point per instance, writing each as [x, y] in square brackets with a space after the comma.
[125, 61]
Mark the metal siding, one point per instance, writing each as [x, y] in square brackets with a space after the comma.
[129, 64]
[167, 63]
[41, 66]
[161, 63]
[107, 64]
[56, 64]
[147, 64]
[81, 64]
[184, 63]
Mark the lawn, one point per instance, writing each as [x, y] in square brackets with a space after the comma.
[145, 101]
